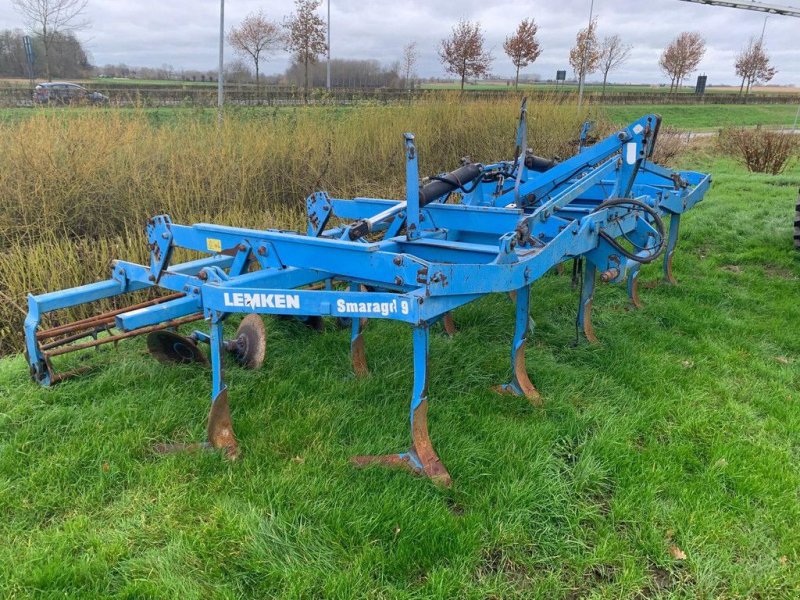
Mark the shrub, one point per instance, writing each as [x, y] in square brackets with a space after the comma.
[671, 143]
[760, 150]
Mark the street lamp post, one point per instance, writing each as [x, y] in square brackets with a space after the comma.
[328, 84]
[220, 76]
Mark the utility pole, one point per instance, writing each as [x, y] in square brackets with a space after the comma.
[328, 85]
[583, 60]
[220, 76]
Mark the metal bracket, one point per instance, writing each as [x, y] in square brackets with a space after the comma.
[319, 210]
[159, 238]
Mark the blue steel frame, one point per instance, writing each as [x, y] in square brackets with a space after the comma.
[415, 264]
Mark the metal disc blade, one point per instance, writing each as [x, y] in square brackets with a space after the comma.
[250, 345]
[172, 348]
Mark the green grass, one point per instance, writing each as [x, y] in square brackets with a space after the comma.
[681, 428]
[708, 116]
[691, 117]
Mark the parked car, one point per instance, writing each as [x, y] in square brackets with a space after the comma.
[59, 92]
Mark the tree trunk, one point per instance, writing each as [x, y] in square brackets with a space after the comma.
[306, 83]
[463, 73]
[516, 80]
[258, 86]
[46, 45]
[741, 87]
[603, 93]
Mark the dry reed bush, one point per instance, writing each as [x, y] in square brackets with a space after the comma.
[76, 190]
[760, 150]
[670, 144]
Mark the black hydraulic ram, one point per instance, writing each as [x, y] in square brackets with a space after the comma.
[436, 188]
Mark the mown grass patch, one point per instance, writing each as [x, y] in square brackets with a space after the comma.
[707, 116]
[679, 431]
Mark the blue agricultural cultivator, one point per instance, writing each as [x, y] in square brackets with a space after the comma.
[479, 229]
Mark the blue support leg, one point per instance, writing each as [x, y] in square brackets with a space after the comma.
[674, 227]
[358, 353]
[220, 427]
[520, 384]
[421, 458]
[587, 296]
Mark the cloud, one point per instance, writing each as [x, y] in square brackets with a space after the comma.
[183, 33]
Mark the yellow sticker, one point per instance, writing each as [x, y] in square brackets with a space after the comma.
[213, 245]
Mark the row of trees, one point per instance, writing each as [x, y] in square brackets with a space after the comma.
[66, 57]
[51, 22]
[683, 55]
[463, 53]
[302, 33]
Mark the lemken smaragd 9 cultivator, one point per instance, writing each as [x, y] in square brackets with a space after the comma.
[480, 229]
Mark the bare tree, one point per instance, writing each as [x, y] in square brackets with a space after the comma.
[584, 57]
[463, 54]
[408, 62]
[49, 18]
[753, 65]
[256, 37]
[306, 34]
[523, 48]
[613, 54]
[681, 57]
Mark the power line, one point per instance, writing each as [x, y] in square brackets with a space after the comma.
[764, 7]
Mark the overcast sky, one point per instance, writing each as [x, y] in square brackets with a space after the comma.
[183, 33]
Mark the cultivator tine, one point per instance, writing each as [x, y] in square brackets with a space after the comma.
[520, 384]
[220, 427]
[421, 458]
[587, 297]
[449, 324]
[633, 288]
[219, 431]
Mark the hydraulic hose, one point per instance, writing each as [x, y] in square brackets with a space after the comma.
[659, 225]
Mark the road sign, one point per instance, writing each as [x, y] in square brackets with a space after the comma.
[700, 88]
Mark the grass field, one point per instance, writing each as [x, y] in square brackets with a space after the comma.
[698, 117]
[692, 118]
[677, 435]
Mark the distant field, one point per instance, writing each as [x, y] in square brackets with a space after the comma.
[610, 88]
[694, 117]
